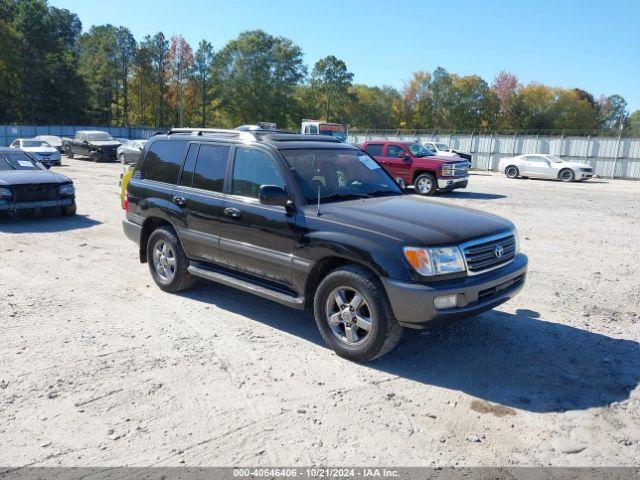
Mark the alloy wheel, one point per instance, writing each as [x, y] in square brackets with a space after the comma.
[424, 185]
[348, 315]
[164, 261]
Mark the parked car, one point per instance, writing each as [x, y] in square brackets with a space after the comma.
[53, 140]
[418, 166]
[544, 166]
[27, 186]
[39, 149]
[129, 152]
[444, 150]
[97, 145]
[265, 213]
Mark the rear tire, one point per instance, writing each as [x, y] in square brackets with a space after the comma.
[167, 261]
[69, 152]
[567, 175]
[364, 304]
[425, 184]
[512, 171]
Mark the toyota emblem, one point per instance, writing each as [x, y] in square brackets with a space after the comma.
[499, 251]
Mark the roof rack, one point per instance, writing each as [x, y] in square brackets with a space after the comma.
[199, 131]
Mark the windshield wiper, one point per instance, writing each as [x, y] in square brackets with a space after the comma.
[342, 196]
[378, 193]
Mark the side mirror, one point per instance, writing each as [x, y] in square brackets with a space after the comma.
[400, 181]
[273, 195]
[85, 141]
[406, 157]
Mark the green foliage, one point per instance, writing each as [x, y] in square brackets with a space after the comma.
[51, 72]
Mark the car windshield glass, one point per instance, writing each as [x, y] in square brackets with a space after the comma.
[99, 136]
[34, 143]
[442, 146]
[338, 174]
[18, 161]
[418, 150]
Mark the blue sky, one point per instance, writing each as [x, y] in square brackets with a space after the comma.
[594, 45]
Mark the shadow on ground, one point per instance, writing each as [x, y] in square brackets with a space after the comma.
[517, 360]
[474, 195]
[46, 224]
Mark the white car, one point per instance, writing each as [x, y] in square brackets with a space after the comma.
[53, 140]
[39, 149]
[444, 150]
[540, 165]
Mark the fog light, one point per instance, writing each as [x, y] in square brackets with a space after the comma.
[445, 301]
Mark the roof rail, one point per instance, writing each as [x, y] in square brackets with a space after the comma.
[199, 131]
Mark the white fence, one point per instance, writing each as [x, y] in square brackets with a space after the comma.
[609, 156]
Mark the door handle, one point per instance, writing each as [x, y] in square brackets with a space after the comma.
[180, 201]
[232, 212]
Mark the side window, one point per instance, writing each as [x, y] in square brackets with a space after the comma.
[374, 149]
[211, 167]
[163, 161]
[15, 143]
[251, 170]
[395, 151]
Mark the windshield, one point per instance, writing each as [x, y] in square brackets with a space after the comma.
[338, 174]
[418, 150]
[34, 143]
[441, 146]
[554, 158]
[99, 136]
[18, 161]
[335, 131]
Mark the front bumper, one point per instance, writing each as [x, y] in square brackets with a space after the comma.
[9, 206]
[413, 303]
[104, 155]
[451, 183]
[584, 175]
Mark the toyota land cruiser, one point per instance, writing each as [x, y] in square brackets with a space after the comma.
[311, 222]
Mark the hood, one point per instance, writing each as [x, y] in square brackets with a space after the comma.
[413, 220]
[39, 149]
[30, 177]
[448, 154]
[105, 143]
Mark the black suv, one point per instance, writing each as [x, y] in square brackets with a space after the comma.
[309, 221]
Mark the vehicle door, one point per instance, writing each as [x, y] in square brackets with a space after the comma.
[397, 160]
[256, 239]
[538, 166]
[200, 197]
[81, 145]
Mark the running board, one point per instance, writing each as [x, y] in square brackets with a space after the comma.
[264, 292]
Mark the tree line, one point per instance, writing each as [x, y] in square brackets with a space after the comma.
[52, 72]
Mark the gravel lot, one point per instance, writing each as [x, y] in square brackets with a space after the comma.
[98, 367]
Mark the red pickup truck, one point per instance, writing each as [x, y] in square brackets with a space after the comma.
[419, 166]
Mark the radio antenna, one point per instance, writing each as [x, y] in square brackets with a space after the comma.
[318, 207]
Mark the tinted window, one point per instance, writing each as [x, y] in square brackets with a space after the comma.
[18, 161]
[211, 167]
[163, 161]
[374, 149]
[189, 165]
[251, 170]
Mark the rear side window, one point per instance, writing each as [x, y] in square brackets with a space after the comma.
[251, 170]
[211, 167]
[374, 149]
[163, 161]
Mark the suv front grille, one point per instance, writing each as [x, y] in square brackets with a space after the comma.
[35, 193]
[489, 254]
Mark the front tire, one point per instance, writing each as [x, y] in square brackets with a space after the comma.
[167, 261]
[426, 184]
[567, 175]
[512, 171]
[69, 153]
[69, 210]
[122, 159]
[353, 315]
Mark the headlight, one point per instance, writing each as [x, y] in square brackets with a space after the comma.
[5, 192]
[435, 261]
[67, 189]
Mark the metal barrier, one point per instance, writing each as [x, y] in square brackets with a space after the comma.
[8, 133]
[613, 157]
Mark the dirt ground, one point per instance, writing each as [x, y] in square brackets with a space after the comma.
[98, 367]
